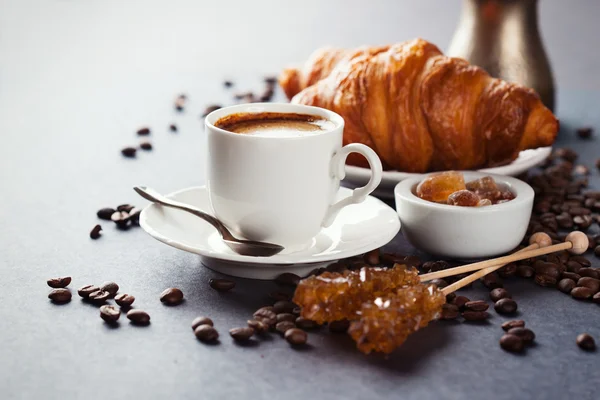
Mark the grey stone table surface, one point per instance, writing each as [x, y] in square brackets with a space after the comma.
[78, 78]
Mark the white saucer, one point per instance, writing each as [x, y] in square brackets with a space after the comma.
[357, 229]
[357, 176]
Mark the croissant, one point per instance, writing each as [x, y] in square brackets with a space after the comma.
[420, 110]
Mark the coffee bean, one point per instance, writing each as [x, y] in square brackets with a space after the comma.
[86, 290]
[340, 326]
[508, 271]
[258, 326]
[129, 152]
[95, 232]
[171, 296]
[138, 317]
[581, 170]
[110, 287]
[582, 293]
[227, 84]
[286, 317]
[512, 343]
[124, 300]
[146, 146]
[584, 132]
[586, 342]
[505, 306]
[99, 296]
[209, 109]
[242, 334]
[372, 257]
[287, 279]
[440, 283]
[221, 285]
[266, 316]
[526, 334]
[143, 131]
[173, 128]
[546, 268]
[566, 154]
[201, 321]
[134, 215]
[449, 311]
[581, 260]
[306, 324]
[492, 281]
[476, 305]
[460, 302]
[296, 311]
[499, 293]
[564, 221]
[589, 272]
[284, 326]
[583, 222]
[206, 333]
[110, 314]
[573, 266]
[596, 298]
[105, 213]
[283, 306]
[525, 271]
[59, 283]
[517, 323]
[450, 297]
[475, 315]
[591, 283]
[566, 285]
[570, 275]
[125, 207]
[545, 280]
[267, 95]
[60, 295]
[271, 80]
[296, 337]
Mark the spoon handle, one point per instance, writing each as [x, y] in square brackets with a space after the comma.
[154, 196]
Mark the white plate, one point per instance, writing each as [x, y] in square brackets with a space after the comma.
[358, 176]
[358, 229]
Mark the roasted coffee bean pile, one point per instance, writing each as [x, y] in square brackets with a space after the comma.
[124, 216]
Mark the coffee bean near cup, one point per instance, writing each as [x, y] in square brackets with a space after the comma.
[274, 170]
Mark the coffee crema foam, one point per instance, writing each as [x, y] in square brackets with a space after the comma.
[270, 124]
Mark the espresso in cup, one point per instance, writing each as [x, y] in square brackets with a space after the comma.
[273, 124]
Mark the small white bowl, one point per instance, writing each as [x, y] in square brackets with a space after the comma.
[465, 232]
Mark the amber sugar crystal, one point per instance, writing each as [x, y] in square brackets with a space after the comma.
[387, 321]
[438, 187]
[334, 296]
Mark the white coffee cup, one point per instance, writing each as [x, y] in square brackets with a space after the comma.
[281, 189]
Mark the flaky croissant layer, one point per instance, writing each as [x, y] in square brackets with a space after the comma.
[420, 110]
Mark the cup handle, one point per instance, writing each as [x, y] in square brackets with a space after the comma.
[358, 195]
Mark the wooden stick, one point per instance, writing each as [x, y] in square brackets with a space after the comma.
[576, 242]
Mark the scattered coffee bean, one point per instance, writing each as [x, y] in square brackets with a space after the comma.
[59, 283]
[286, 317]
[206, 333]
[105, 213]
[372, 257]
[173, 128]
[566, 285]
[125, 207]
[227, 84]
[581, 260]
[180, 102]
[110, 314]
[512, 343]
[525, 271]
[589, 282]
[284, 326]
[589, 272]
[449, 311]
[450, 297]
[95, 232]
[283, 306]
[499, 293]
[475, 315]
[60, 295]
[124, 300]
[460, 302]
[267, 95]
[492, 281]
[582, 293]
[571, 275]
[296, 337]
[586, 342]
[209, 109]
[566, 154]
[517, 323]
[221, 285]
[340, 326]
[278, 296]
[596, 298]
[440, 283]
[201, 321]
[110, 287]
[508, 271]
[242, 334]
[171, 296]
[584, 132]
[547, 269]
[86, 290]
[545, 280]
[138, 317]
[266, 316]
[146, 146]
[526, 334]
[99, 296]
[573, 266]
[287, 279]
[306, 324]
[270, 80]
[505, 306]
[129, 152]
[476, 305]
[258, 326]
[145, 131]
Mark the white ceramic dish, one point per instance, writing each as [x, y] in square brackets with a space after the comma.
[357, 229]
[465, 232]
[357, 176]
